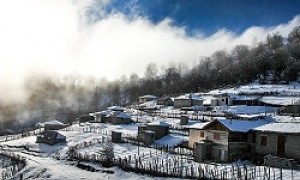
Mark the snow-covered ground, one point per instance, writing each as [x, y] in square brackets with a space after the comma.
[292, 89]
[45, 161]
[48, 162]
[51, 162]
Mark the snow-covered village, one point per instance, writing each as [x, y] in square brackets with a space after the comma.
[249, 132]
[159, 89]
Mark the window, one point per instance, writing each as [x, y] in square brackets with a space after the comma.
[202, 134]
[216, 136]
[263, 141]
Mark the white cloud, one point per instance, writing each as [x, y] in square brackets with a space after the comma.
[54, 37]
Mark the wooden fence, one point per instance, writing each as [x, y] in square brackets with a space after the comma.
[12, 164]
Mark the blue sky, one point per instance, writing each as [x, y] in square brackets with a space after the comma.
[110, 38]
[209, 16]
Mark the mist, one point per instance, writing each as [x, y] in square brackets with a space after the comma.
[62, 37]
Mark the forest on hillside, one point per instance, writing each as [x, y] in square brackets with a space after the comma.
[275, 60]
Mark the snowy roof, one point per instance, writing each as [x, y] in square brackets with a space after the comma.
[53, 122]
[171, 140]
[164, 98]
[281, 100]
[207, 100]
[148, 104]
[244, 97]
[118, 114]
[249, 116]
[286, 119]
[160, 123]
[105, 113]
[148, 96]
[280, 127]
[190, 96]
[241, 125]
[220, 94]
[199, 125]
[116, 108]
[255, 88]
[249, 109]
[123, 115]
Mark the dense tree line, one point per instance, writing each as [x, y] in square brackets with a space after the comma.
[276, 57]
[73, 95]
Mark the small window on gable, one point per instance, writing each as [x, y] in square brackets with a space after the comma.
[222, 100]
[216, 136]
[202, 134]
[263, 141]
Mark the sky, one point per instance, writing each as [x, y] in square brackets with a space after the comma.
[109, 38]
[209, 16]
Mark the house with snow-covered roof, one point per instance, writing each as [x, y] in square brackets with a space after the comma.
[221, 100]
[291, 108]
[118, 117]
[53, 125]
[223, 139]
[160, 128]
[278, 139]
[165, 101]
[188, 100]
[50, 137]
[196, 132]
[248, 100]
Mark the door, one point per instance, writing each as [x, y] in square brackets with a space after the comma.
[281, 145]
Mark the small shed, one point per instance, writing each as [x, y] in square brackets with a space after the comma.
[142, 127]
[291, 108]
[247, 100]
[116, 137]
[221, 100]
[86, 118]
[165, 101]
[101, 116]
[147, 137]
[160, 128]
[184, 120]
[188, 100]
[202, 150]
[118, 117]
[53, 125]
[50, 137]
[98, 116]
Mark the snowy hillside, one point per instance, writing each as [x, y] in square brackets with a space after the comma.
[292, 89]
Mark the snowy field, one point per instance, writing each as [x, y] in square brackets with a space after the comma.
[49, 162]
[45, 161]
